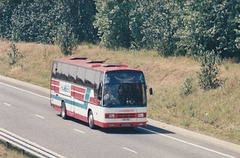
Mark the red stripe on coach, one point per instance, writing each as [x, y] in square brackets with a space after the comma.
[93, 100]
[78, 89]
[55, 82]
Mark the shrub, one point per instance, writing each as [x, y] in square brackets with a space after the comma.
[186, 88]
[209, 72]
[13, 54]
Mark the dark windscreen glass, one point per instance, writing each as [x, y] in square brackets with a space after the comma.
[124, 77]
[124, 88]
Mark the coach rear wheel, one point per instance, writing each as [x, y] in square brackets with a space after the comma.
[63, 111]
[91, 120]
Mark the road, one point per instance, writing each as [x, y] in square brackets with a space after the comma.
[25, 111]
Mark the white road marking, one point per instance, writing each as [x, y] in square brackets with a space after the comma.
[79, 131]
[7, 104]
[39, 116]
[185, 142]
[25, 91]
[130, 150]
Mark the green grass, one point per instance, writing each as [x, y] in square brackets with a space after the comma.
[214, 112]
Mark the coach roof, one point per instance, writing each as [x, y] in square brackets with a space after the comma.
[96, 65]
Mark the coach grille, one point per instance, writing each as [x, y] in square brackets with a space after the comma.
[126, 115]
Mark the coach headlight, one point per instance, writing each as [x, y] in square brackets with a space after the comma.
[141, 115]
[110, 115]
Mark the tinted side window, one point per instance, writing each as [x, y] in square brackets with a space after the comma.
[54, 69]
[98, 86]
[97, 81]
[80, 75]
[58, 71]
[90, 77]
[72, 73]
[64, 72]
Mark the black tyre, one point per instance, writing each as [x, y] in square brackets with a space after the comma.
[63, 111]
[91, 120]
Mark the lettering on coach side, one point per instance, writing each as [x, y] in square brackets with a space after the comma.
[65, 88]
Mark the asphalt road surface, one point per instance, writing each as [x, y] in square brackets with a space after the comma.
[25, 111]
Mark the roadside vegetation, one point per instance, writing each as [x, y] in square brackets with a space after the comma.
[12, 152]
[178, 99]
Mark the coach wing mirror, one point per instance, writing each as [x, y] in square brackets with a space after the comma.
[150, 91]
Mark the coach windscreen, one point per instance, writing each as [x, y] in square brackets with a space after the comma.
[124, 88]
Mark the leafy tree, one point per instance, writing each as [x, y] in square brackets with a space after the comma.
[158, 27]
[6, 10]
[126, 23]
[83, 23]
[137, 17]
[171, 27]
[112, 21]
[209, 25]
[79, 14]
[39, 20]
[237, 29]
[30, 21]
[65, 39]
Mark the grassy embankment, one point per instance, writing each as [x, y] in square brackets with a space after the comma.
[215, 112]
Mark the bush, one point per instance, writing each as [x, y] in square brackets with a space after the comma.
[186, 88]
[209, 72]
[13, 54]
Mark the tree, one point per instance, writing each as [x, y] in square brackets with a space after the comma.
[237, 29]
[209, 25]
[31, 21]
[79, 14]
[112, 21]
[65, 39]
[6, 10]
[39, 20]
[159, 26]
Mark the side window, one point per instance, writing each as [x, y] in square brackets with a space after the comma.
[90, 77]
[97, 82]
[54, 69]
[98, 86]
[72, 73]
[58, 71]
[80, 75]
[64, 72]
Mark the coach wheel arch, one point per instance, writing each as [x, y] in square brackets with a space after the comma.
[63, 110]
[91, 119]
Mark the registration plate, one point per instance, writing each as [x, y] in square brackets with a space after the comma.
[126, 125]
